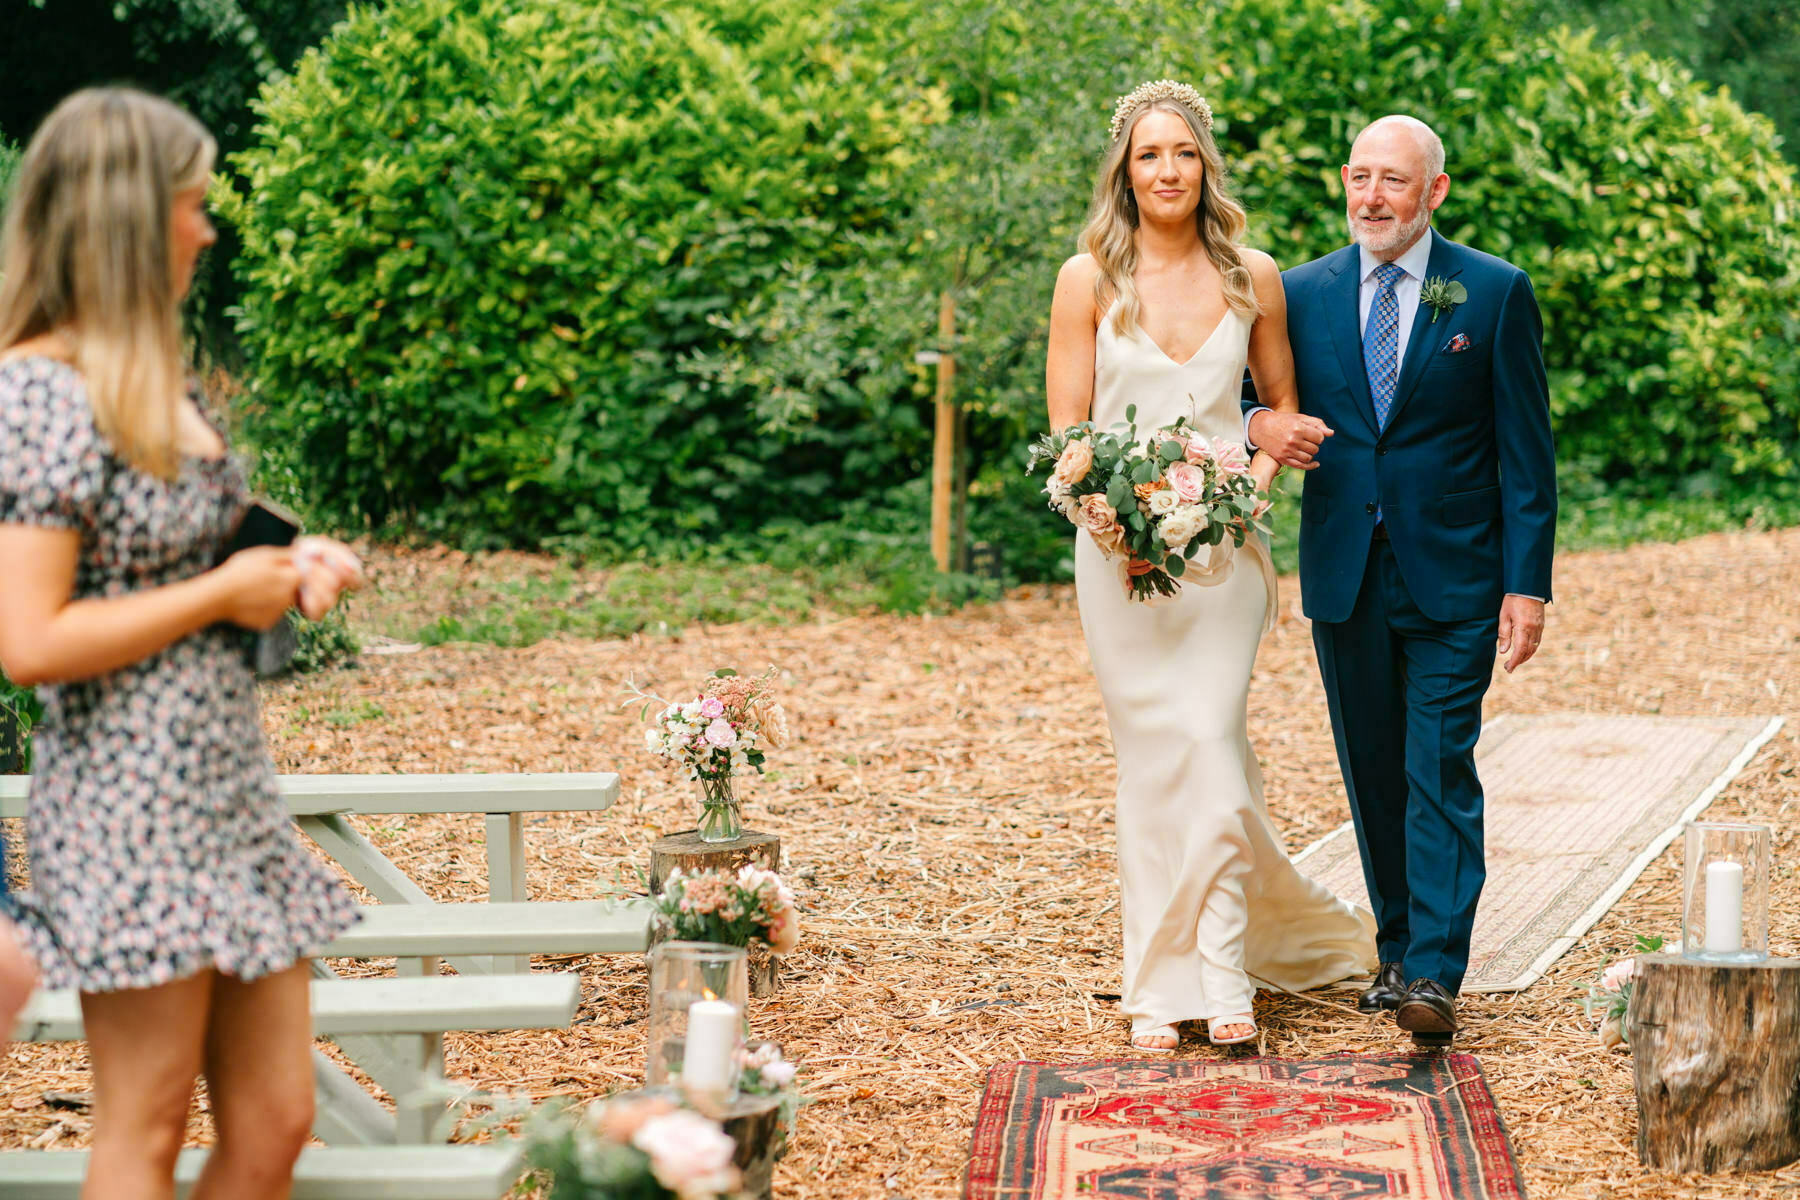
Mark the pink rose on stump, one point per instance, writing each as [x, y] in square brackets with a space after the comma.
[1073, 464]
[1187, 481]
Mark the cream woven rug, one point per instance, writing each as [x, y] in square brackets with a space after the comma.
[1577, 807]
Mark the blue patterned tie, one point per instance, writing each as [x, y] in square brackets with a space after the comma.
[1381, 341]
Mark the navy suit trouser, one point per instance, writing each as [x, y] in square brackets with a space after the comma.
[1405, 695]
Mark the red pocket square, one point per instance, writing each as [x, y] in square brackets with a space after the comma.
[1458, 344]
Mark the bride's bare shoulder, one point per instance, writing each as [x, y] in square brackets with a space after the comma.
[1080, 270]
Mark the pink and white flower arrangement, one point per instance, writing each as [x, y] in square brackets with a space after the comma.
[712, 906]
[1610, 999]
[762, 1071]
[639, 1149]
[722, 731]
[1156, 504]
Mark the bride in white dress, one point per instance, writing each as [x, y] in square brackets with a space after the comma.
[1164, 311]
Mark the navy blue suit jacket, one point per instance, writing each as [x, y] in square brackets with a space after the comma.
[1464, 473]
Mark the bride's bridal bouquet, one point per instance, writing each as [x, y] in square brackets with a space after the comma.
[1154, 505]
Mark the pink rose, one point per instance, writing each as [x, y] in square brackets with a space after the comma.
[1230, 456]
[721, 734]
[1073, 464]
[712, 708]
[620, 1120]
[1615, 977]
[1188, 482]
[1195, 452]
[1100, 519]
[784, 930]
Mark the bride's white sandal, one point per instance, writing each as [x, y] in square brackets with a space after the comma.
[1156, 1031]
[1214, 1024]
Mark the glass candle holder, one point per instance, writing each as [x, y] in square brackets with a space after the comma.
[1725, 892]
[699, 992]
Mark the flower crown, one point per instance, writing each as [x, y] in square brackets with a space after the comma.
[1162, 89]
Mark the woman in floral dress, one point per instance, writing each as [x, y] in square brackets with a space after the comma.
[168, 884]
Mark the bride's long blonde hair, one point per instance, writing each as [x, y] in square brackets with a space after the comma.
[85, 254]
[1111, 231]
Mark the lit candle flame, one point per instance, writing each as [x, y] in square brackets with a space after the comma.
[709, 993]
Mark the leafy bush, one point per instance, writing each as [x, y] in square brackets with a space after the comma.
[484, 242]
[9, 165]
[1656, 217]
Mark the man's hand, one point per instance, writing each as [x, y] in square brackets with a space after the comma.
[1521, 629]
[1291, 438]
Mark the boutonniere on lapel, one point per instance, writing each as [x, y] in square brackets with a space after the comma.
[1442, 294]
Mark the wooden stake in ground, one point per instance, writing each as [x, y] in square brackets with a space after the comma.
[943, 448]
[1716, 1060]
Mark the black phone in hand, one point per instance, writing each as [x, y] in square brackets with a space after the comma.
[265, 523]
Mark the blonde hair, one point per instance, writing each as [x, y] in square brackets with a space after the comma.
[86, 254]
[1111, 231]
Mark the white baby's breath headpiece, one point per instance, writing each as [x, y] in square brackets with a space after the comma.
[1162, 89]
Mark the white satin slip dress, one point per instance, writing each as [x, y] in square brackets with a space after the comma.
[1208, 896]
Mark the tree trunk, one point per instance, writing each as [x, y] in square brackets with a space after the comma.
[1716, 1060]
[687, 851]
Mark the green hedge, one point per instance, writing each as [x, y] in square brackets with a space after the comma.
[487, 247]
[1656, 217]
[618, 273]
[9, 163]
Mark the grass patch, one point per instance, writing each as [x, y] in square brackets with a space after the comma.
[880, 563]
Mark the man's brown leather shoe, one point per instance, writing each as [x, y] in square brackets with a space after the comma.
[1386, 994]
[1428, 1013]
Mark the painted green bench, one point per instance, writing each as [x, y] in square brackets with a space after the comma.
[323, 1173]
[321, 803]
[394, 1028]
[419, 931]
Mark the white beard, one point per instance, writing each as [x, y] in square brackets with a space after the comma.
[1400, 235]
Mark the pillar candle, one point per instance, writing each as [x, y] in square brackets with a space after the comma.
[712, 1039]
[1724, 907]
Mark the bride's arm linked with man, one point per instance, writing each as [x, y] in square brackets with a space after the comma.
[1404, 374]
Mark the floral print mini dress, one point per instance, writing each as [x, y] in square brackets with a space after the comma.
[159, 843]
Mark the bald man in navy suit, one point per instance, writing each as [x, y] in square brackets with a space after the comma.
[1427, 528]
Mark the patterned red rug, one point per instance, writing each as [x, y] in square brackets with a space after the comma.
[1414, 1125]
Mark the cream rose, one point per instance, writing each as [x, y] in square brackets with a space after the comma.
[1188, 482]
[1179, 528]
[1164, 501]
[1073, 463]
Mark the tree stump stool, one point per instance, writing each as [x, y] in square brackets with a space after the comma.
[754, 1123]
[686, 851]
[1715, 1052]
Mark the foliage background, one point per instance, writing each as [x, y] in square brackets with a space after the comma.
[779, 414]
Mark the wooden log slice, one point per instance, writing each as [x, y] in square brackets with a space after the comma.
[687, 851]
[1716, 1061]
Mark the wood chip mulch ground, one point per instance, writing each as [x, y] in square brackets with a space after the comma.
[946, 814]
